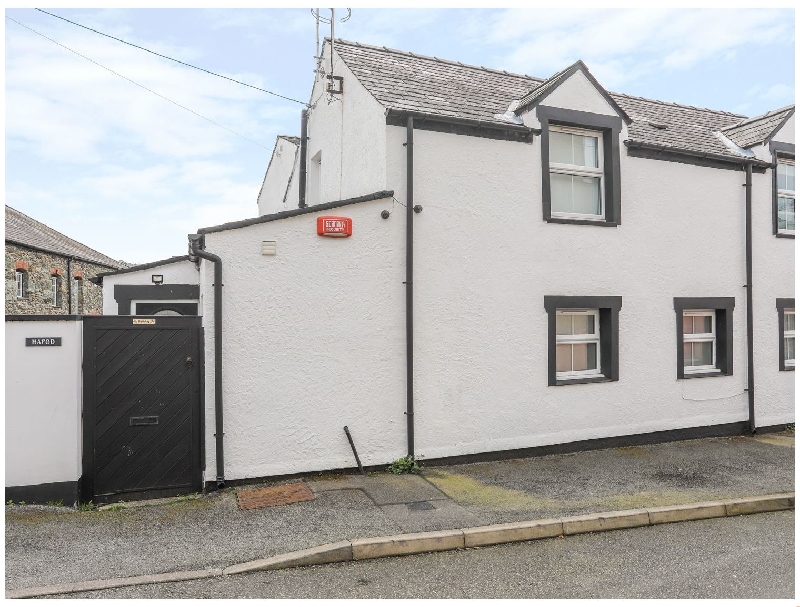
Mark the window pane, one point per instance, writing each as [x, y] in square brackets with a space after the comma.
[703, 353]
[563, 324]
[788, 321]
[788, 348]
[582, 359]
[560, 193]
[687, 355]
[563, 357]
[702, 324]
[586, 193]
[688, 325]
[785, 176]
[583, 324]
[561, 148]
[589, 156]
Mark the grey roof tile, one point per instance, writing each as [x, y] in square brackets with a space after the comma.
[753, 131]
[405, 81]
[26, 231]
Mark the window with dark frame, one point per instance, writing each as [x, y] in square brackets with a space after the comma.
[704, 336]
[785, 308]
[580, 167]
[583, 339]
[783, 189]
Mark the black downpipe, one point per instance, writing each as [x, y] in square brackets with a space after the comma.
[69, 285]
[751, 391]
[195, 251]
[303, 154]
[410, 283]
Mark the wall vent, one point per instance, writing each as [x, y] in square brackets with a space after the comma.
[268, 247]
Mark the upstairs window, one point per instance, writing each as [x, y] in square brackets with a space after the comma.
[785, 176]
[21, 277]
[55, 283]
[785, 333]
[576, 173]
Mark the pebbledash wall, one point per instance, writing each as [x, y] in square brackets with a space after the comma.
[40, 268]
[43, 410]
[314, 336]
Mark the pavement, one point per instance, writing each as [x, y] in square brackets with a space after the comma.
[49, 545]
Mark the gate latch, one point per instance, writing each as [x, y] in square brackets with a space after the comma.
[147, 420]
[189, 362]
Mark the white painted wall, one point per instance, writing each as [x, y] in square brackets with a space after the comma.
[358, 166]
[180, 272]
[314, 336]
[282, 171]
[43, 404]
[314, 339]
[786, 134]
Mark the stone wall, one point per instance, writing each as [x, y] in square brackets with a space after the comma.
[40, 268]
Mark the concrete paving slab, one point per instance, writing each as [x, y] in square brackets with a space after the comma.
[443, 514]
[400, 489]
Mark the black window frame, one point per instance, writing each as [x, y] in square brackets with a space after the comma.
[609, 307]
[783, 303]
[723, 319]
[782, 150]
[610, 127]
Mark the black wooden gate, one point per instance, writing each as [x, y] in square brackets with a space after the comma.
[142, 417]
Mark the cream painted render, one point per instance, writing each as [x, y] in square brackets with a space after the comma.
[43, 403]
[314, 336]
[181, 272]
[280, 188]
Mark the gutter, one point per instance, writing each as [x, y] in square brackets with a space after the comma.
[518, 128]
[751, 392]
[739, 162]
[196, 244]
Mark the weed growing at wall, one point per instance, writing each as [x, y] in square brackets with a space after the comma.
[404, 465]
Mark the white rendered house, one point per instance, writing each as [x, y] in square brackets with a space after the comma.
[587, 266]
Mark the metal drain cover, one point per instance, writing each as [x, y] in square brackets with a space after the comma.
[421, 506]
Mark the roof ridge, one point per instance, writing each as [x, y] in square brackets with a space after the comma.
[760, 116]
[439, 59]
[680, 105]
[51, 229]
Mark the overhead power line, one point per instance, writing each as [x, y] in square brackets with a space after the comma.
[172, 58]
[183, 107]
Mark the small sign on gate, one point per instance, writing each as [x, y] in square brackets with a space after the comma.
[144, 321]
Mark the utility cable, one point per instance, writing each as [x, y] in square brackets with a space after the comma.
[139, 85]
[171, 58]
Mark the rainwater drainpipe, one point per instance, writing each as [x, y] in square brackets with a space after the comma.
[195, 242]
[410, 282]
[751, 392]
[303, 153]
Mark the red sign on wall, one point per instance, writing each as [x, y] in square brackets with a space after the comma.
[331, 225]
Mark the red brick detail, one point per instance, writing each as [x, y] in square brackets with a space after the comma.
[55, 272]
[77, 274]
[21, 265]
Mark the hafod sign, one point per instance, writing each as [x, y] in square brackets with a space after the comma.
[334, 226]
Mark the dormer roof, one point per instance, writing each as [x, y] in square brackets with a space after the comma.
[758, 130]
[539, 92]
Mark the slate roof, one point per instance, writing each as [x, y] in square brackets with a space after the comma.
[753, 131]
[26, 231]
[406, 81]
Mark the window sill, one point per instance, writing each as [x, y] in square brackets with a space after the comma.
[788, 368]
[585, 222]
[717, 373]
[784, 235]
[583, 380]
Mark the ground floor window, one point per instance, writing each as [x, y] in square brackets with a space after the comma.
[583, 339]
[785, 334]
[705, 336]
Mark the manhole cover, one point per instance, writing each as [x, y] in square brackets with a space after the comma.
[273, 496]
[421, 506]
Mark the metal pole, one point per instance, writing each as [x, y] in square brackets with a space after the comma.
[751, 391]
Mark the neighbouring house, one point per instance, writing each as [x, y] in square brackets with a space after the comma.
[279, 190]
[159, 288]
[48, 272]
[460, 262]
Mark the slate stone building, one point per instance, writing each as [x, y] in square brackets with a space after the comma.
[48, 272]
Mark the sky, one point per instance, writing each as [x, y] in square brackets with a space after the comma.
[129, 173]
